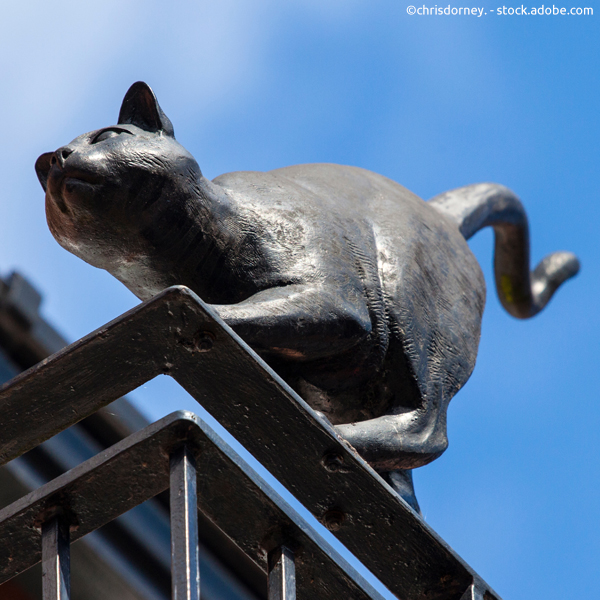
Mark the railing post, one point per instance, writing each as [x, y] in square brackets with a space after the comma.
[282, 574]
[476, 591]
[56, 562]
[185, 569]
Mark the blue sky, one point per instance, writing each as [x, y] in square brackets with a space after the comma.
[432, 102]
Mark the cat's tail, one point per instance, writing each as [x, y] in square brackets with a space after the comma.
[522, 293]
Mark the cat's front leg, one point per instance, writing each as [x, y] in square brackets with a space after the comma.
[299, 322]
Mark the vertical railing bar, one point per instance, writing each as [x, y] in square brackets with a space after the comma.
[185, 568]
[282, 574]
[56, 561]
[476, 591]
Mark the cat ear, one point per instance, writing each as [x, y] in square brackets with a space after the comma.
[140, 108]
[42, 167]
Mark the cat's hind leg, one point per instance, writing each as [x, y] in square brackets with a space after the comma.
[407, 440]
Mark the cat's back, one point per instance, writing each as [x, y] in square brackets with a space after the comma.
[352, 190]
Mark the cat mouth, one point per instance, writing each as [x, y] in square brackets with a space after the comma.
[71, 183]
[59, 177]
[70, 177]
[63, 186]
[62, 182]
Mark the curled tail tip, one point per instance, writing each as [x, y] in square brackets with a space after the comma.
[574, 264]
[551, 272]
[558, 267]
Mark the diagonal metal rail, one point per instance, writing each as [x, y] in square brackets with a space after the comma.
[175, 333]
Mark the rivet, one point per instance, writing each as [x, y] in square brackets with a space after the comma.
[333, 461]
[333, 518]
[204, 341]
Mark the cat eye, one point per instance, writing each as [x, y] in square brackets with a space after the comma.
[109, 133]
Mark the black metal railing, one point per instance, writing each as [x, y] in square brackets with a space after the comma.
[177, 334]
[184, 454]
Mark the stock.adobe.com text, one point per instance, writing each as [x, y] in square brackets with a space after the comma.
[480, 11]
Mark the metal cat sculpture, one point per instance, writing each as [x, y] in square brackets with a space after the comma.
[363, 297]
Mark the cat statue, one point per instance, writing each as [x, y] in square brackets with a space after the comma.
[362, 296]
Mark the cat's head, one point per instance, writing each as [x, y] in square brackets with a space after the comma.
[106, 189]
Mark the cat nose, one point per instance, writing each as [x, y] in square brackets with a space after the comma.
[61, 155]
